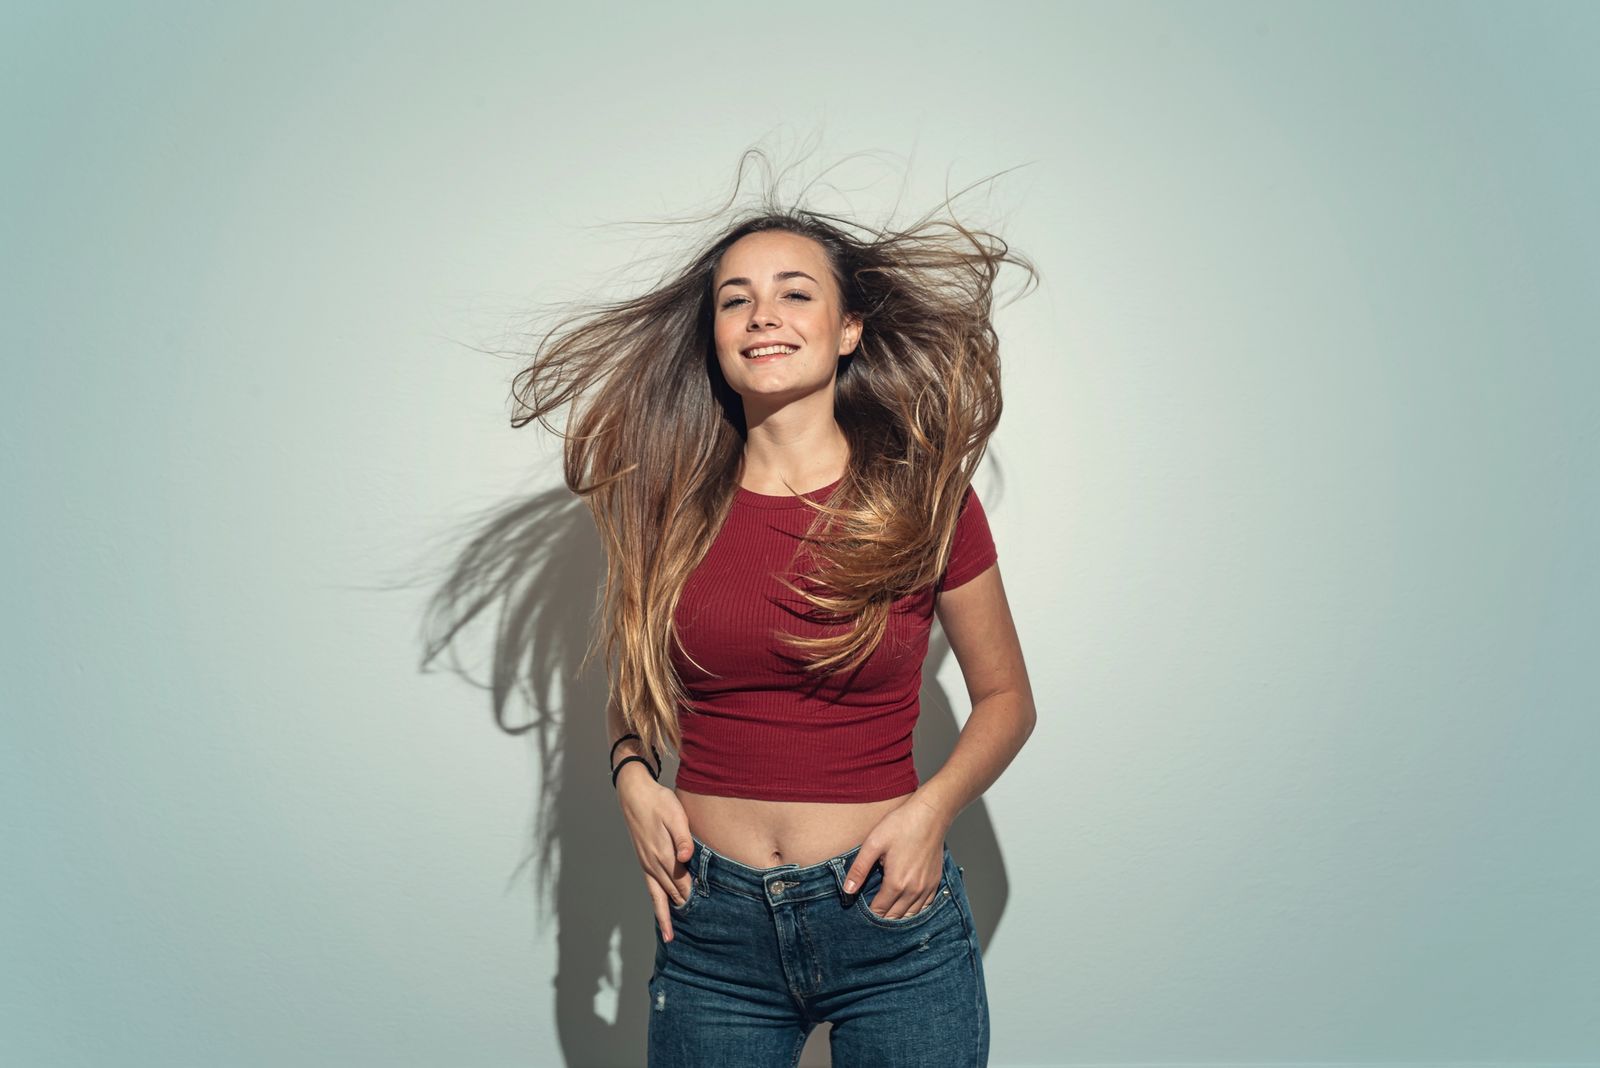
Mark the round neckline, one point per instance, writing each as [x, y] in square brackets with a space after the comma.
[783, 500]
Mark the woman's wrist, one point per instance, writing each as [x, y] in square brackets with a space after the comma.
[618, 766]
[633, 773]
[629, 744]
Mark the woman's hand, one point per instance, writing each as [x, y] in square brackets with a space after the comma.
[910, 843]
[660, 831]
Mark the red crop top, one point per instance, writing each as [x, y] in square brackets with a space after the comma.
[755, 726]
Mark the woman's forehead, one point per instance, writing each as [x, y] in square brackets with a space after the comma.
[797, 252]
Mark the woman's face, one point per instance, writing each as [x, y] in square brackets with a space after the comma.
[774, 288]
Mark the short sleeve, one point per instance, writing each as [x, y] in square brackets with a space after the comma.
[973, 550]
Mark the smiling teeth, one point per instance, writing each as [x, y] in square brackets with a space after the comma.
[768, 351]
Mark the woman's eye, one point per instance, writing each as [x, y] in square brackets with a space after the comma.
[802, 294]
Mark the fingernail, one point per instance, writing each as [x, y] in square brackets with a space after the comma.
[849, 886]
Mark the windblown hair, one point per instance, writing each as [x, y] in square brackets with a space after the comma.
[655, 438]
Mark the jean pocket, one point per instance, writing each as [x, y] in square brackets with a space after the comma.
[695, 894]
[869, 891]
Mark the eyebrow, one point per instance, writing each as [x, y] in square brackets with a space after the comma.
[780, 276]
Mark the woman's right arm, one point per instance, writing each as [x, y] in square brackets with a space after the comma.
[656, 822]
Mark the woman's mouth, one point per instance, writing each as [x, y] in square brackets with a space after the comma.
[765, 353]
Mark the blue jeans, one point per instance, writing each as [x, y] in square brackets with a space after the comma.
[760, 956]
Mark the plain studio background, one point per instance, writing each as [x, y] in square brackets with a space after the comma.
[1295, 494]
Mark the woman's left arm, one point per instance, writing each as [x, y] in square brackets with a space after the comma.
[976, 619]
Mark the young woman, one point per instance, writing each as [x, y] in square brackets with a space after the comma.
[778, 454]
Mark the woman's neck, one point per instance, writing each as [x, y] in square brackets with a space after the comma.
[807, 461]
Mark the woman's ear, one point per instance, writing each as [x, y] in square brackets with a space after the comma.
[852, 335]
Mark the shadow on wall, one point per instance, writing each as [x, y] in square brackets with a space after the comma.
[532, 572]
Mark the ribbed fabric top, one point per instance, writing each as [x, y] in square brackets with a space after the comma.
[755, 726]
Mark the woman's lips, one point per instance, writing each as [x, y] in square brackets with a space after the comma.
[770, 356]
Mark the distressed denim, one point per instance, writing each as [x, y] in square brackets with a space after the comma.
[760, 956]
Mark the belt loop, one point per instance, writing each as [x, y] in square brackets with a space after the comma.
[838, 875]
[705, 862]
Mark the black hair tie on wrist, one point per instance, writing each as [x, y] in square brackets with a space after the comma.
[655, 772]
[618, 742]
[633, 756]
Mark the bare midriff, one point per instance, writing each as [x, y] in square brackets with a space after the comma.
[764, 834]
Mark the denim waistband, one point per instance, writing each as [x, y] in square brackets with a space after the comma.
[775, 885]
[783, 882]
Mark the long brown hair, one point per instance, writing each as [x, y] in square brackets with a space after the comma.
[655, 436]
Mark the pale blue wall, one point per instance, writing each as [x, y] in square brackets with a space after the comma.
[1295, 496]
